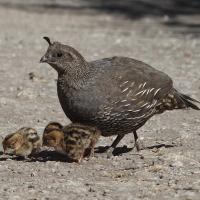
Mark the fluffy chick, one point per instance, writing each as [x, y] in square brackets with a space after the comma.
[80, 140]
[23, 142]
[75, 140]
[53, 136]
[52, 126]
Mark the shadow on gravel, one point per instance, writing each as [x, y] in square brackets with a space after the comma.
[17, 158]
[131, 8]
[168, 10]
[42, 156]
[157, 146]
[45, 156]
[121, 150]
[118, 151]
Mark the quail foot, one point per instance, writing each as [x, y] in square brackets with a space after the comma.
[23, 142]
[117, 94]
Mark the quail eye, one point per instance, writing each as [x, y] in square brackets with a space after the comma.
[59, 54]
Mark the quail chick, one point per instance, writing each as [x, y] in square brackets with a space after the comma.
[53, 136]
[74, 140]
[117, 95]
[52, 126]
[80, 140]
[23, 142]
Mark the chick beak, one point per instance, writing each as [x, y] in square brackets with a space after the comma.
[43, 59]
[8, 151]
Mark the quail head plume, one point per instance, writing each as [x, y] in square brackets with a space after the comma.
[117, 95]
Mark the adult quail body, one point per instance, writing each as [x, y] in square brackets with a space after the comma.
[117, 95]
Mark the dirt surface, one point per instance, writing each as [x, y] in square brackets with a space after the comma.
[158, 173]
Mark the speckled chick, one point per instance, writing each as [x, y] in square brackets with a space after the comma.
[75, 140]
[80, 140]
[53, 136]
[50, 127]
[23, 142]
[117, 95]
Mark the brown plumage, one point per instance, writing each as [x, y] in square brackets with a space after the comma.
[53, 136]
[51, 126]
[23, 142]
[75, 140]
[80, 140]
[117, 95]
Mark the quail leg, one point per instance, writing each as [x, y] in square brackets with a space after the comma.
[79, 160]
[137, 144]
[113, 146]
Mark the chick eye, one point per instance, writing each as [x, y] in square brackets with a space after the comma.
[12, 145]
[59, 54]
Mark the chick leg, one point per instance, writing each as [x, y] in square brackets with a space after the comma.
[79, 160]
[91, 148]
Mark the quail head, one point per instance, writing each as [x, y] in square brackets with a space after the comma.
[118, 95]
[23, 142]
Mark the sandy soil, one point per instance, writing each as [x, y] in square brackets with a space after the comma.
[163, 173]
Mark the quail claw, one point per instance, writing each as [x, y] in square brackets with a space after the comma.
[139, 145]
[109, 152]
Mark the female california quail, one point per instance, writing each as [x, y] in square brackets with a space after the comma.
[117, 95]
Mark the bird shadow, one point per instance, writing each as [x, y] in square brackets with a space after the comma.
[158, 146]
[118, 150]
[11, 157]
[46, 155]
[42, 156]
[121, 150]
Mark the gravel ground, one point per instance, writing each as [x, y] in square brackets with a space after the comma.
[157, 173]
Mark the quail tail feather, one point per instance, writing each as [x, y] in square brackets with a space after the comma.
[176, 100]
[188, 101]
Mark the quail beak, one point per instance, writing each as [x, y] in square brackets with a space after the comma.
[43, 59]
